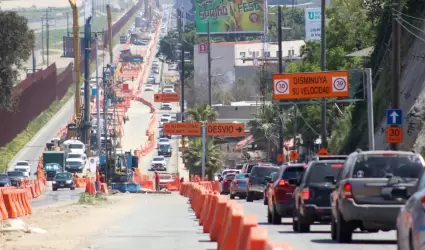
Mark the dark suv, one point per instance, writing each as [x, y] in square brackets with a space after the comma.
[311, 196]
[370, 191]
[257, 180]
[63, 180]
[280, 202]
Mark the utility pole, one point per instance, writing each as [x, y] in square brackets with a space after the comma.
[280, 63]
[87, 41]
[182, 74]
[323, 68]
[67, 24]
[45, 22]
[99, 131]
[209, 63]
[395, 61]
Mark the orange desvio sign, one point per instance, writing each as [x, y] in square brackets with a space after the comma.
[166, 97]
[226, 129]
[310, 85]
[182, 128]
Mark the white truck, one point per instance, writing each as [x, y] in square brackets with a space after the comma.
[158, 163]
[23, 166]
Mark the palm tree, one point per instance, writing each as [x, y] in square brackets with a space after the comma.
[265, 127]
[193, 157]
[202, 113]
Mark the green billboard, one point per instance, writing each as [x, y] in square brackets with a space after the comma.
[230, 16]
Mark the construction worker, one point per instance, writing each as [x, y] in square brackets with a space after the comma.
[156, 180]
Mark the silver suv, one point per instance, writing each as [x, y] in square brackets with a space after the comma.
[370, 191]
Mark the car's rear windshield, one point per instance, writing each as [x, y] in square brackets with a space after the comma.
[63, 176]
[319, 170]
[263, 172]
[3, 177]
[240, 176]
[165, 177]
[292, 173]
[22, 164]
[230, 176]
[386, 165]
[15, 173]
[164, 146]
[158, 159]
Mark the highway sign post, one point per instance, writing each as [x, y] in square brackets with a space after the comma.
[166, 97]
[394, 117]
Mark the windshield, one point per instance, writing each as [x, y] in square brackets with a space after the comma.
[75, 146]
[230, 172]
[21, 169]
[52, 167]
[15, 173]
[74, 163]
[75, 156]
[293, 173]
[22, 164]
[164, 147]
[263, 172]
[65, 176]
[3, 177]
[382, 166]
[320, 170]
[229, 176]
[164, 120]
[158, 159]
[240, 176]
[165, 177]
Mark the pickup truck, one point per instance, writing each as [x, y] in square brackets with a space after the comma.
[158, 163]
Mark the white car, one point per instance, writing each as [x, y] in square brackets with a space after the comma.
[158, 163]
[23, 165]
[148, 87]
[165, 116]
[151, 79]
[169, 91]
[166, 106]
[164, 120]
[164, 140]
[169, 86]
[173, 118]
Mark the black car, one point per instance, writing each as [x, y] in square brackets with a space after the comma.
[63, 180]
[16, 177]
[257, 180]
[165, 150]
[311, 196]
[5, 180]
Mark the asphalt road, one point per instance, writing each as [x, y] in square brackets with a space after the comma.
[319, 238]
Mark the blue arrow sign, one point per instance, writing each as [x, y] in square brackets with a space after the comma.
[394, 117]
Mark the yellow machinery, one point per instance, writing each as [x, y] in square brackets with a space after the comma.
[77, 74]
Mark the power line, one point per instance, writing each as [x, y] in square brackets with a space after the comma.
[411, 25]
[410, 32]
[408, 16]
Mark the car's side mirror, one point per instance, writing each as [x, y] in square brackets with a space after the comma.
[293, 182]
[330, 178]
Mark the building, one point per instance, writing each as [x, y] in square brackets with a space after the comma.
[240, 60]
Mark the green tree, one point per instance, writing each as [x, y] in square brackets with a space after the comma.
[202, 113]
[193, 157]
[17, 42]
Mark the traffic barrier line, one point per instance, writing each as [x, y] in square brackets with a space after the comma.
[225, 221]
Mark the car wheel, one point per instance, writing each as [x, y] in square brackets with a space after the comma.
[55, 189]
[72, 188]
[344, 232]
[294, 220]
[265, 202]
[232, 196]
[269, 216]
[277, 219]
[303, 226]
[249, 197]
[333, 228]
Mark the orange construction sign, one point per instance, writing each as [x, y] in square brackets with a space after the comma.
[226, 129]
[182, 128]
[280, 158]
[166, 97]
[394, 135]
[310, 85]
[323, 151]
[293, 155]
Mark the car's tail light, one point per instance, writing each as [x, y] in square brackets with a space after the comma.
[236, 182]
[305, 194]
[282, 183]
[347, 191]
[225, 181]
[423, 202]
[249, 181]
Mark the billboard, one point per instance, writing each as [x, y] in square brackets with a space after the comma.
[225, 16]
[313, 28]
[68, 46]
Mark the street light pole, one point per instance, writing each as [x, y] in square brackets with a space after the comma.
[98, 132]
[323, 68]
[280, 63]
[209, 64]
